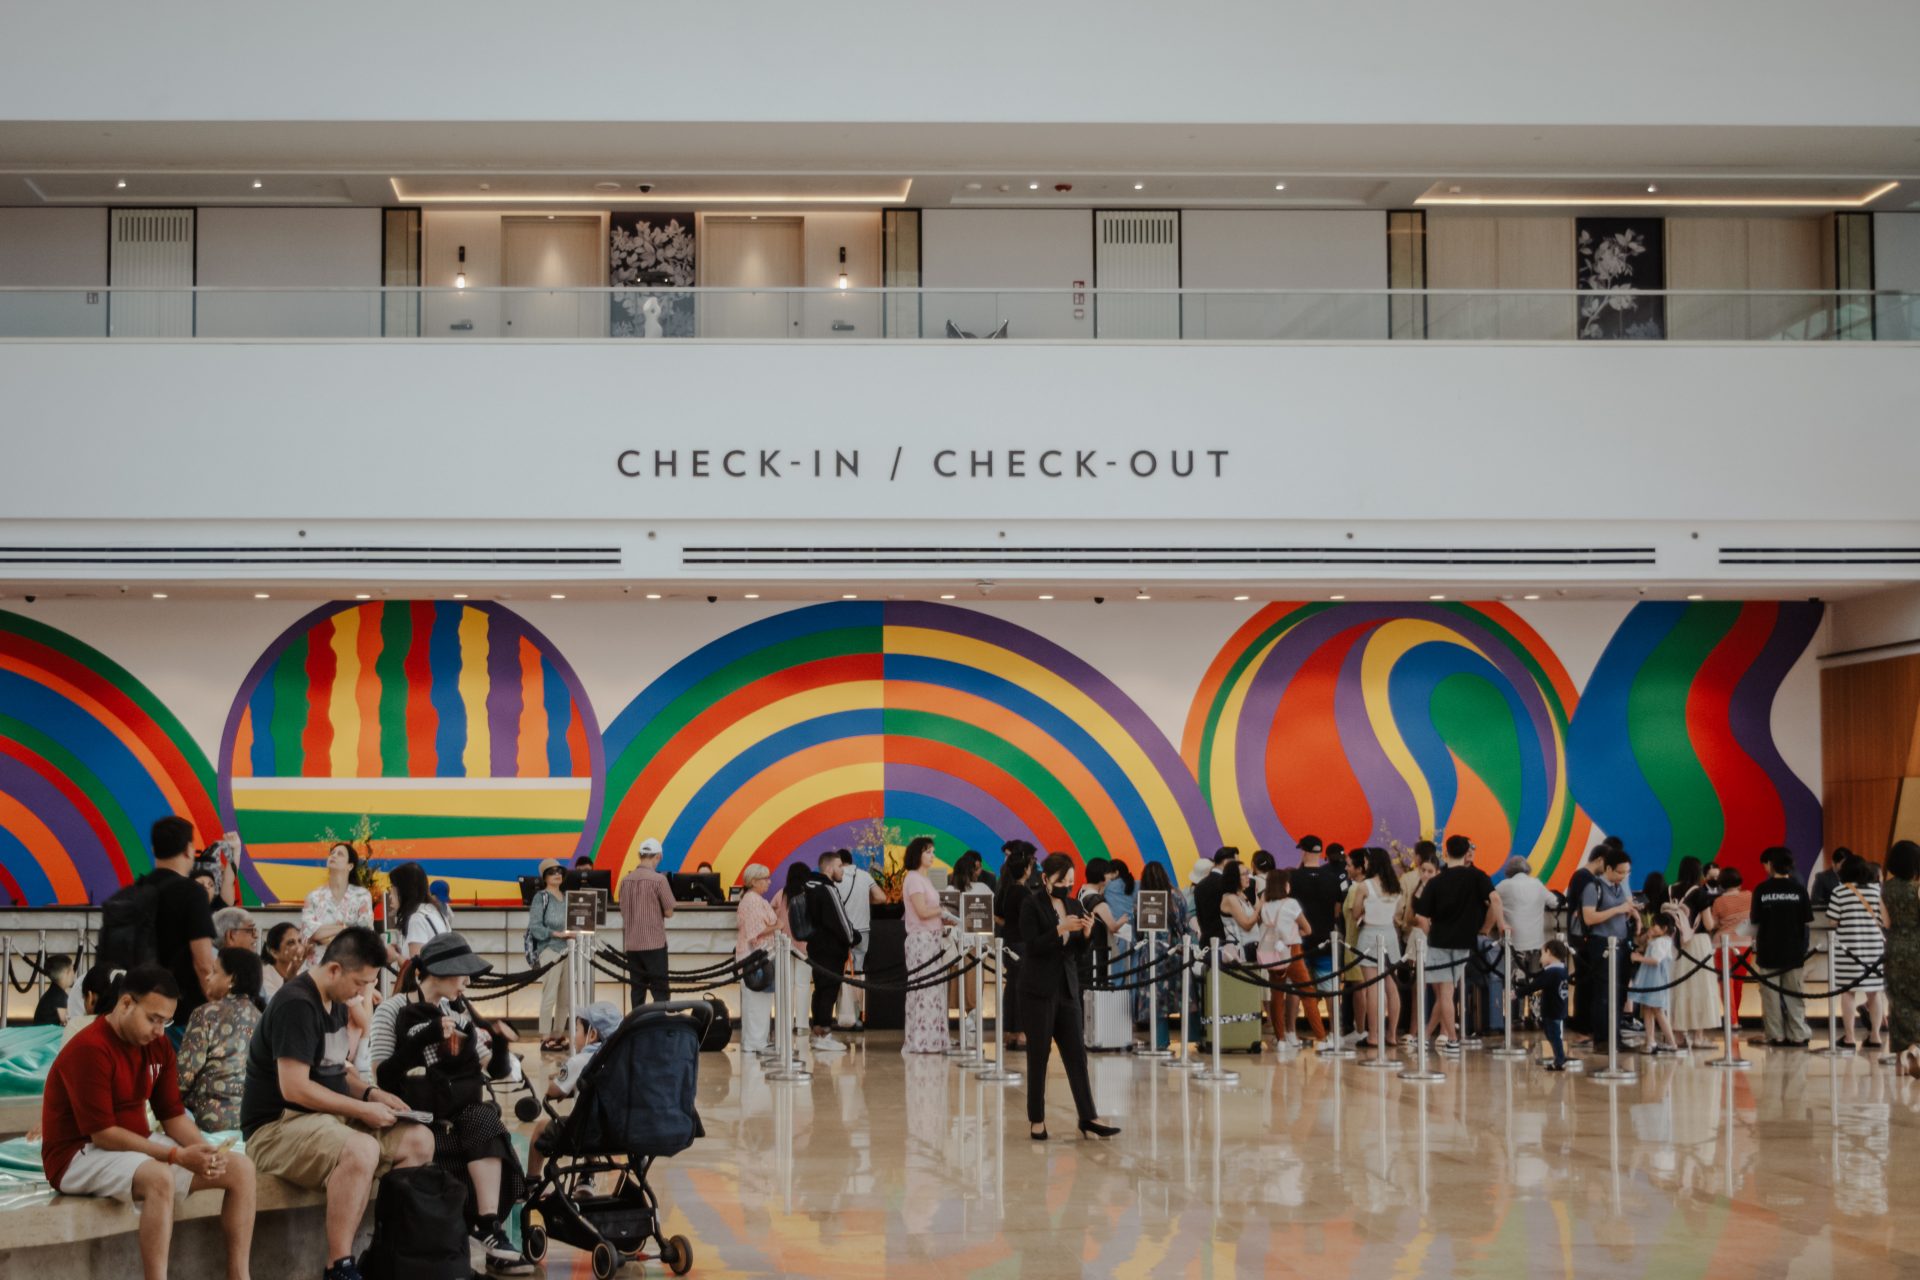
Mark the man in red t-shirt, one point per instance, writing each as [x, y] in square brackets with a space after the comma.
[94, 1125]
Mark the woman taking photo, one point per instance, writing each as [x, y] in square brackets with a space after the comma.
[1014, 874]
[926, 1021]
[336, 904]
[547, 936]
[1378, 945]
[1053, 927]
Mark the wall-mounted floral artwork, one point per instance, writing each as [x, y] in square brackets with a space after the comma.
[1620, 258]
[651, 264]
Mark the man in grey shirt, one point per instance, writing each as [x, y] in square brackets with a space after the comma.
[1607, 911]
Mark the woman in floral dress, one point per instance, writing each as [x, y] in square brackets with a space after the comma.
[334, 905]
[926, 1008]
[213, 1053]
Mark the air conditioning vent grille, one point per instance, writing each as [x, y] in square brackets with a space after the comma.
[1163, 556]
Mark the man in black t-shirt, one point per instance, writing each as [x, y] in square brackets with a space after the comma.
[307, 1115]
[1320, 889]
[1454, 908]
[183, 920]
[1781, 914]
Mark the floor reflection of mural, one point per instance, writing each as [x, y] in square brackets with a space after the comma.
[1365, 723]
[89, 758]
[453, 732]
[793, 734]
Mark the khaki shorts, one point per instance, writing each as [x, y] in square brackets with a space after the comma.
[304, 1146]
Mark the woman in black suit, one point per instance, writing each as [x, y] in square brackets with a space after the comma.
[1013, 891]
[1053, 930]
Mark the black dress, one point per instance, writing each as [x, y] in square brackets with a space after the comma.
[1007, 902]
[1050, 1010]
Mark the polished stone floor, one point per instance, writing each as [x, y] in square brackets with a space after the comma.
[883, 1165]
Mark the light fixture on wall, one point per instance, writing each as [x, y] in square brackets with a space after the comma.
[842, 283]
[460, 276]
[121, 185]
[257, 184]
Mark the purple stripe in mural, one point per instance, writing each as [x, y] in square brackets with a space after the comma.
[1750, 716]
[68, 825]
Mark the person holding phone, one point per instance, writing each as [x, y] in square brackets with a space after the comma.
[1053, 931]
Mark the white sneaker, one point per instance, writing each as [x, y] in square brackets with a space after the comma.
[827, 1044]
[1291, 1044]
[1352, 1038]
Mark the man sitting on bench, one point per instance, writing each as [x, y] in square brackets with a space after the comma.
[308, 1116]
[94, 1120]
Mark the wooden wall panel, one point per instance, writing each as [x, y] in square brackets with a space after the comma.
[1859, 815]
[1869, 747]
[1707, 253]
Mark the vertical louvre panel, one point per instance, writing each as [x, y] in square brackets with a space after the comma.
[152, 273]
[1136, 250]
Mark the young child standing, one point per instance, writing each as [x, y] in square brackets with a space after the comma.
[1655, 959]
[1551, 984]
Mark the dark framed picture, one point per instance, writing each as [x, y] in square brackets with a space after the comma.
[650, 264]
[1618, 260]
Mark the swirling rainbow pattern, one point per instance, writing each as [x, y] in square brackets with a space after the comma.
[455, 730]
[793, 734]
[1367, 722]
[1672, 748]
[89, 758]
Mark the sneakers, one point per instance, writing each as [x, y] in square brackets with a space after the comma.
[1451, 1048]
[345, 1269]
[827, 1044]
[1352, 1038]
[1555, 1066]
[502, 1258]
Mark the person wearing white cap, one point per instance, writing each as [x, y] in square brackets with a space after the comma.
[646, 903]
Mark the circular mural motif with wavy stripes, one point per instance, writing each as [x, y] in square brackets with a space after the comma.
[453, 732]
[792, 735]
[1365, 723]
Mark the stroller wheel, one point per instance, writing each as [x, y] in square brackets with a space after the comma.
[606, 1261]
[535, 1241]
[678, 1255]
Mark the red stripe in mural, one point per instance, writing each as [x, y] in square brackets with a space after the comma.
[316, 739]
[1749, 802]
[88, 811]
[856, 806]
[1308, 775]
[988, 777]
[421, 720]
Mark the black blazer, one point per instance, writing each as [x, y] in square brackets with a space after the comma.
[1049, 968]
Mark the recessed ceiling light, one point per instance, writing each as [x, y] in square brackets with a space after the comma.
[1243, 597]
[1139, 186]
[363, 596]
[1046, 597]
[159, 595]
[486, 186]
[1279, 186]
[257, 184]
[459, 595]
[849, 597]
[1652, 189]
[752, 595]
[653, 595]
[1336, 597]
[1033, 186]
[122, 184]
[948, 597]
[557, 595]
[1696, 597]
[973, 186]
[261, 595]
[1143, 596]
[1436, 597]
[1453, 191]
[1532, 597]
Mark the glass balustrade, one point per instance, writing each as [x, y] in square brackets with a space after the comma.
[941, 315]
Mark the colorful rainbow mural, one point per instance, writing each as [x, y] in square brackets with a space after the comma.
[455, 729]
[1672, 748]
[89, 758]
[790, 735]
[1362, 722]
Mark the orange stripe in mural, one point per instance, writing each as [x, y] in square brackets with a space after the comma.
[532, 754]
[771, 781]
[366, 693]
[45, 849]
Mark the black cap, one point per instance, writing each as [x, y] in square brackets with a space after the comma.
[1309, 844]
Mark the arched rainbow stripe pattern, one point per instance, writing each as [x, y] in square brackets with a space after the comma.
[89, 758]
[455, 729]
[1672, 748]
[1364, 722]
[789, 735]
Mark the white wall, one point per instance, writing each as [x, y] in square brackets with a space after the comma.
[1007, 249]
[1896, 265]
[1283, 249]
[63, 249]
[1248, 61]
[290, 253]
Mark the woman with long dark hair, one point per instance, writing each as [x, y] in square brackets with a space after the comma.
[1015, 871]
[417, 918]
[1694, 1007]
[1053, 927]
[1378, 947]
[1154, 878]
[790, 910]
[926, 1020]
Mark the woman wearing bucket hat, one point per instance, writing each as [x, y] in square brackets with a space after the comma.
[431, 1048]
[546, 942]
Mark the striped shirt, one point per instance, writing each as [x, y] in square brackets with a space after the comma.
[1854, 910]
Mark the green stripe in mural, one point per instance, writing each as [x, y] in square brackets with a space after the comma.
[1476, 721]
[132, 842]
[1657, 727]
[1240, 664]
[396, 634]
[289, 677]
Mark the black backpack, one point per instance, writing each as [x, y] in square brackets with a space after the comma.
[419, 1227]
[130, 926]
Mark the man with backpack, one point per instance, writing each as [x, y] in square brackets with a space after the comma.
[164, 918]
[828, 947]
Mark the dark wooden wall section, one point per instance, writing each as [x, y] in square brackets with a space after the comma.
[1870, 749]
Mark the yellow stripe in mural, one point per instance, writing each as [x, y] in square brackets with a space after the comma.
[1389, 642]
[343, 709]
[559, 798]
[1229, 806]
[784, 804]
[478, 757]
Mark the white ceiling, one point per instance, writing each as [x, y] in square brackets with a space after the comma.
[876, 165]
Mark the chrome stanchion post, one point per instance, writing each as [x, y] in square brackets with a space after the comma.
[1380, 1060]
[1731, 1059]
[1335, 1047]
[790, 1069]
[1507, 1048]
[1152, 1049]
[1185, 1062]
[1215, 1073]
[1834, 1048]
[1417, 1072]
[1615, 1073]
[996, 1072]
[1465, 1039]
[40, 972]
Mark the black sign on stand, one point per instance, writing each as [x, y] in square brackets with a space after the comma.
[1150, 910]
[950, 903]
[976, 913]
[583, 910]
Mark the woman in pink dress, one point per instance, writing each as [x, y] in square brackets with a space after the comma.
[927, 1008]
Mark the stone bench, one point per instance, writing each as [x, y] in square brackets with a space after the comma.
[44, 1236]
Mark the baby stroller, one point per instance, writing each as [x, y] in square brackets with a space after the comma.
[634, 1104]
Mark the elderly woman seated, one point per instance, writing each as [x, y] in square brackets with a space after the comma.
[213, 1053]
[430, 1048]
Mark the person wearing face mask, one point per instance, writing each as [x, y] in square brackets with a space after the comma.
[1053, 930]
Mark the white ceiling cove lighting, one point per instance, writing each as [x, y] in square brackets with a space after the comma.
[1046, 597]
[1598, 194]
[946, 597]
[122, 184]
[1696, 597]
[751, 595]
[1279, 186]
[261, 595]
[653, 595]
[557, 596]
[849, 597]
[257, 184]
[459, 595]
[1436, 597]
[1033, 186]
[1533, 597]
[1336, 597]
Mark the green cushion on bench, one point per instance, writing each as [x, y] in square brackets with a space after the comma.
[26, 1055]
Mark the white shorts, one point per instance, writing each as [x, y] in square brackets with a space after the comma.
[859, 954]
[109, 1174]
